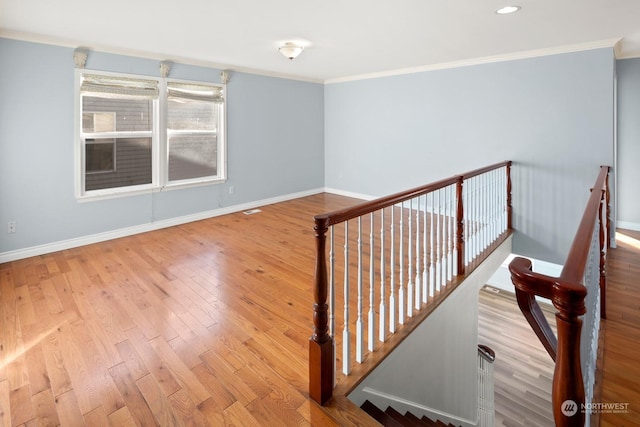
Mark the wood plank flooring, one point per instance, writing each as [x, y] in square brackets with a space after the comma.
[523, 370]
[621, 355]
[205, 323]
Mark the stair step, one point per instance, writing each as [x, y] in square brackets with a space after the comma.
[409, 416]
[436, 423]
[392, 418]
[403, 419]
[379, 415]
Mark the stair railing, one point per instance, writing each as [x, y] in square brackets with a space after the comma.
[419, 242]
[486, 398]
[579, 296]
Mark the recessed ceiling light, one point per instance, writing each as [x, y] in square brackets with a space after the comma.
[507, 10]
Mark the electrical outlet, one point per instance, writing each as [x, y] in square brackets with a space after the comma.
[231, 189]
[11, 227]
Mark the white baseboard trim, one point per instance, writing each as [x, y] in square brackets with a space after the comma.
[143, 228]
[361, 196]
[634, 226]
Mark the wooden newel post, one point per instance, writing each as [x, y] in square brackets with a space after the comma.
[567, 394]
[460, 226]
[321, 343]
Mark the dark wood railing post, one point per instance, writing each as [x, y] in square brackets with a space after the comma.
[567, 395]
[460, 226]
[509, 208]
[321, 342]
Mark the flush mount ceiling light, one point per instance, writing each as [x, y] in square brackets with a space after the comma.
[507, 10]
[290, 50]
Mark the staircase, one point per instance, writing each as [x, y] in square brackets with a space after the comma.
[392, 418]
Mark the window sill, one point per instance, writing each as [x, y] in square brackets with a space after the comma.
[102, 195]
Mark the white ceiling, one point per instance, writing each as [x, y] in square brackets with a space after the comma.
[343, 38]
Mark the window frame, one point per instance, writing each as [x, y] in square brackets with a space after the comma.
[220, 132]
[159, 142]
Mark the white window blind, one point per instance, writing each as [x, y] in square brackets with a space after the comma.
[122, 148]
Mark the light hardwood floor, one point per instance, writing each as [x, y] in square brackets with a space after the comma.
[621, 361]
[523, 370]
[206, 323]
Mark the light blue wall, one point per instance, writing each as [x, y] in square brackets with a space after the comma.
[628, 71]
[275, 146]
[552, 115]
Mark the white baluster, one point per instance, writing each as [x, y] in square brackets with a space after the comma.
[359, 325]
[410, 260]
[454, 253]
[383, 308]
[445, 237]
[346, 335]
[371, 326]
[392, 283]
[496, 197]
[401, 297]
[485, 211]
[450, 240]
[472, 218]
[438, 242]
[425, 253]
[496, 203]
[467, 212]
[503, 198]
[418, 285]
[493, 204]
[332, 297]
[479, 217]
[432, 247]
[480, 214]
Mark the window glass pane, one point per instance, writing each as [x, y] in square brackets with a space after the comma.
[132, 165]
[192, 156]
[100, 155]
[116, 114]
[190, 114]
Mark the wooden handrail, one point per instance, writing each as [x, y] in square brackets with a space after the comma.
[341, 215]
[577, 259]
[321, 343]
[567, 293]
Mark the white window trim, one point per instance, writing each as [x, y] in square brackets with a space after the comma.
[159, 181]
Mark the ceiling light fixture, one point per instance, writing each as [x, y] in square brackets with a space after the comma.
[507, 10]
[290, 50]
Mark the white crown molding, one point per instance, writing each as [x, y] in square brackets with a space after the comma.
[615, 43]
[44, 39]
[609, 43]
[143, 228]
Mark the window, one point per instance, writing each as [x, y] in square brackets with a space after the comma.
[143, 134]
[192, 130]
